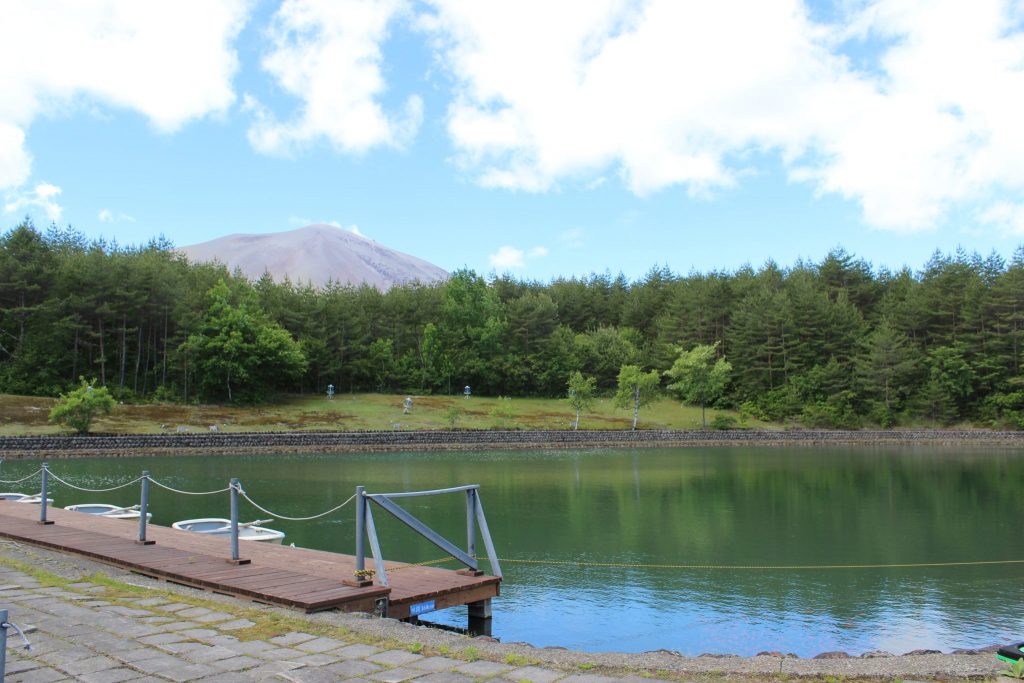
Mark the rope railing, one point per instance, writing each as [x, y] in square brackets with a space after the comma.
[276, 515]
[18, 481]
[188, 493]
[88, 490]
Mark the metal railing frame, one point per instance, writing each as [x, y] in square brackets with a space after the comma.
[475, 520]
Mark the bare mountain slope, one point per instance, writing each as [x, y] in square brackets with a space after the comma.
[316, 254]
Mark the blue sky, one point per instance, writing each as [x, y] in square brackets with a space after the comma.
[537, 138]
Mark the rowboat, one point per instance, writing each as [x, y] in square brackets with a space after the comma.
[25, 498]
[112, 511]
[217, 526]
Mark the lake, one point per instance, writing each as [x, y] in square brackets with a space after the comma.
[595, 521]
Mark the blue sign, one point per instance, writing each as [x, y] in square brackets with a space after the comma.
[421, 608]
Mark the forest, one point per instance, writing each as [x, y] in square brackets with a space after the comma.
[837, 343]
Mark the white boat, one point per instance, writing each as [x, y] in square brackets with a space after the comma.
[112, 511]
[249, 531]
[25, 498]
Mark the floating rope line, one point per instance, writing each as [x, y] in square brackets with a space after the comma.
[18, 481]
[292, 519]
[425, 563]
[80, 488]
[188, 493]
[739, 567]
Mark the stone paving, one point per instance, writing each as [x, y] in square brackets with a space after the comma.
[80, 637]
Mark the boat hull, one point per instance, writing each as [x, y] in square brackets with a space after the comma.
[111, 511]
[24, 498]
[216, 526]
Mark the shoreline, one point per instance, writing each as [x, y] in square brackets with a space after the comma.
[546, 663]
[244, 443]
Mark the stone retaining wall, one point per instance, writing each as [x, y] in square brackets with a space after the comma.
[209, 443]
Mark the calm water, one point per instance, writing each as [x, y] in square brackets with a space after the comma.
[721, 506]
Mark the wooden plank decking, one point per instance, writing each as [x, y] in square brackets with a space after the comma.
[300, 578]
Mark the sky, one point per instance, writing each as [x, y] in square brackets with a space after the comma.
[540, 138]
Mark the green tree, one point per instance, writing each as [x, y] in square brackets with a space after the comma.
[238, 353]
[887, 366]
[699, 377]
[636, 388]
[78, 407]
[381, 361]
[581, 394]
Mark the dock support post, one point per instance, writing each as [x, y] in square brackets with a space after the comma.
[480, 621]
[234, 524]
[359, 579]
[480, 609]
[144, 510]
[45, 491]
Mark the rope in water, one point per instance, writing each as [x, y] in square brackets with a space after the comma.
[292, 519]
[425, 563]
[18, 481]
[81, 488]
[740, 567]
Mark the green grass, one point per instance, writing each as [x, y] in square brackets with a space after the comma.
[24, 415]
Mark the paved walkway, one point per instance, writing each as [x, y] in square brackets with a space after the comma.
[81, 637]
[89, 628]
[87, 631]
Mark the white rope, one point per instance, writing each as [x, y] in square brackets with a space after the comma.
[188, 493]
[18, 481]
[292, 519]
[80, 488]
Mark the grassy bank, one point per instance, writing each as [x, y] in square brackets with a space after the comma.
[25, 415]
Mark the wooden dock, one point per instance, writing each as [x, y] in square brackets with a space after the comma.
[299, 578]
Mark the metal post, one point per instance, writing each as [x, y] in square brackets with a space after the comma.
[235, 487]
[144, 510]
[3, 643]
[360, 579]
[378, 557]
[471, 522]
[234, 520]
[360, 528]
[492, 556]
[45, 491]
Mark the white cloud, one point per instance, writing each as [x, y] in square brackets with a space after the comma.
[300, 222]
[171, 62]
[43, 196]
[1007, 217]
[327, 53]
[507, 258]
[108, 216]
[514, 258]
[680, 94]
[572, 238]
[15, 160]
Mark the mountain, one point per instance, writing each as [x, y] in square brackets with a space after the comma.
[316, 254]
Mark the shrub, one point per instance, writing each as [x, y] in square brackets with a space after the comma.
[76, 409]
[723, 422]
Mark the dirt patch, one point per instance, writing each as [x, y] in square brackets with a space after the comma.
[25, 410]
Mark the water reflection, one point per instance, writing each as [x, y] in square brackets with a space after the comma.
[607, 513]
